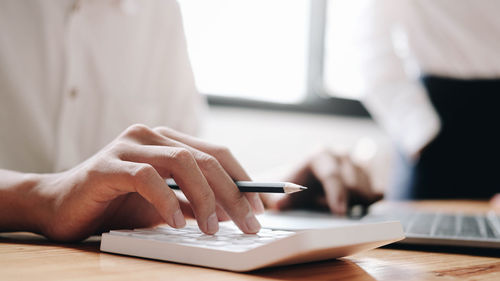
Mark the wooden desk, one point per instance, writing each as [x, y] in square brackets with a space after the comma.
[25, 256]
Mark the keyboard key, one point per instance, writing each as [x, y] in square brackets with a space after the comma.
[470, 227]
[489, 231]
[446, 226]
[494, 222]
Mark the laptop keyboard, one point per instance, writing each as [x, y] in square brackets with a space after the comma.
[450, 225]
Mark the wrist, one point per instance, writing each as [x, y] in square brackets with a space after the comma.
[22, 204]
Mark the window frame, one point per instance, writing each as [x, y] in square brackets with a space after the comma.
[316, 99]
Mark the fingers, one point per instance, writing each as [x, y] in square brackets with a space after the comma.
[188, 211]
[343, 181]
[143, 179]
[225, 158]
[213, 171]
[364, 187]
[300, 176]
[181, 165]
[358, 182]
[168, 137]
[215, 180]
[208, 175]
[221, 214]
[327, 170]
[228, 196]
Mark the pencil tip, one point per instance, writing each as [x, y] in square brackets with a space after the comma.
[291, 188]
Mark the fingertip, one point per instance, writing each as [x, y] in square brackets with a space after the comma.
[212, 224]
[342, 209]
[252, 224]
[179, 221]
[338, 207]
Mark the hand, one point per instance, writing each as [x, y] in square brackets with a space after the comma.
[495, 202]
[123, 186]
[334, 183]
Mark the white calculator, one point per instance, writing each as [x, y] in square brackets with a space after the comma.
[230, 249]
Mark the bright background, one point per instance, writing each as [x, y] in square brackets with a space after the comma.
[260, 50]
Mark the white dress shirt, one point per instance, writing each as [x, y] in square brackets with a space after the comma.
[74, 74]
[401, 39]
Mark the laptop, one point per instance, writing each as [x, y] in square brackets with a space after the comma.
[420, 227]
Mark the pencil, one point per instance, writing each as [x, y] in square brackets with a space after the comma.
[252, 186]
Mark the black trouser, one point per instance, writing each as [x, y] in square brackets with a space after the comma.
[463, 161]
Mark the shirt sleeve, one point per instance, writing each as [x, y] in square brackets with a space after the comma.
[392, 91]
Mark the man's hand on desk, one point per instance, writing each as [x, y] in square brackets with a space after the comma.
[334, 183]
[123, 186]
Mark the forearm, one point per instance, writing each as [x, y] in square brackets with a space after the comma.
[19, 201]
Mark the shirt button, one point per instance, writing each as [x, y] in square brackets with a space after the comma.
[73, 93]
[76, 6]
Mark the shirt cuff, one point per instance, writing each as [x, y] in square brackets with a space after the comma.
[406, 113]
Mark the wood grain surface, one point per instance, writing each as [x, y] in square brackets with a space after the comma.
[26, 256]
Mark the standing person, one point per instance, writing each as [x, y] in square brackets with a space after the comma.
[432, 76]
[74, 78]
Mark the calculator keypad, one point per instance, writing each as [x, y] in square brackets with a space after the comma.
[226, 239]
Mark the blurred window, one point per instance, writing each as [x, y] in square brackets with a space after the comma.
[272, 50]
